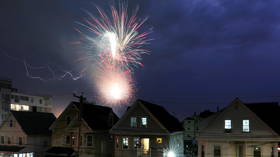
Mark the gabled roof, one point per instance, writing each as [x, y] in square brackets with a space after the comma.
[34, 123]
[267, 112]
[97, 117]
[171, 123]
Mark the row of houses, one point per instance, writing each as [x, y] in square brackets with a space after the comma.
[144, 130]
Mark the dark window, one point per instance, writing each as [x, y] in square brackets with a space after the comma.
[117, 142]
[217, 151]
[16, 99]
[9, 140]
[68, 120]
[202, 151]
[81, 140]
[11, 123]
[2, 140]
[45, 143]
[20, 140]
[40, 101]
[257, 151]
[89, 140]
[25, 98]
[67, 139]
[272, 151]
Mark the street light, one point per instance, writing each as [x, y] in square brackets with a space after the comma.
[171, 154]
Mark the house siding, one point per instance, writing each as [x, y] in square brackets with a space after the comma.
[237, 142]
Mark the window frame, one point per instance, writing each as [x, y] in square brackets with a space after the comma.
[133, 120]
[125, 143]
[89, 144]
[68, 139]
[20, 140]
[2, 140]
[144, 125]
[246, 130]
[228, 125]
[136, 142]
[217, 152]
[11, 123]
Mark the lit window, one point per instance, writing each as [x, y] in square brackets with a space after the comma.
[144, 121]
[159, 140]
[246, 127]
[133, 122]
[125, 143]
[17, 107]
[136, 142]
[25, 107]
[13, 106]
[227, 124]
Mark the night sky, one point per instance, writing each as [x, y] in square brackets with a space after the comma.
[204, 53]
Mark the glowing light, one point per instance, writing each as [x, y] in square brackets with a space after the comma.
[116, 91]
[171, 154]
[114, 87]
[113, 43]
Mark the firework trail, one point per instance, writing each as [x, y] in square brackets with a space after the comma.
[115, 43]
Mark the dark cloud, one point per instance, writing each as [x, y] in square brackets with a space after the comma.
[203, 52]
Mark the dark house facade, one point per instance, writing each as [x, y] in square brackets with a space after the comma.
[147, 130]
[83, 130]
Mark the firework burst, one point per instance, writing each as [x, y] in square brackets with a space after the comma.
[116, 44]
[118, 38]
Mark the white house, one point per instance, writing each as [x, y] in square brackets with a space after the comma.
[241, 130]
[25, 134]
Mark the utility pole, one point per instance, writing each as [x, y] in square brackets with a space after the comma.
[82, 99]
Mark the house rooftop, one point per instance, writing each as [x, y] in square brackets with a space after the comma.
[97, 117]
[171, 123]
[34, 123]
